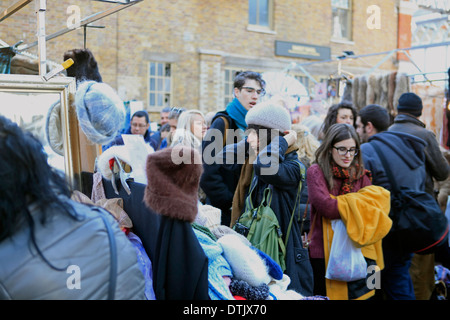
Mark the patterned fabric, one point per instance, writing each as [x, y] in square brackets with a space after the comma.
[344, 174]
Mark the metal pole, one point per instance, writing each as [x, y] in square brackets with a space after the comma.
[40, 11]
[13, 9]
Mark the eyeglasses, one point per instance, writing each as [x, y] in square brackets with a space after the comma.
[175, 112]
[140, 125]
[343, 151]
[251, 90]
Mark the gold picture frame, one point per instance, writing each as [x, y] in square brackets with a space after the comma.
[46, 108]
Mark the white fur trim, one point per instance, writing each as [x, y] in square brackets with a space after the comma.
[245, 262]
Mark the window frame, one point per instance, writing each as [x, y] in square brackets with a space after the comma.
[156, 91]
[349, 22]
[257, 26]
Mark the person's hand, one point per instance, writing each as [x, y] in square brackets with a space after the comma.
[290, 137]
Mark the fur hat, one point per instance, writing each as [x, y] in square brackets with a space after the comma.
[172, 188]
[410, 103]
[270, 115]
[100, 111]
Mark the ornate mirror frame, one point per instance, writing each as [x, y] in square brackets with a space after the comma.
[38, 93]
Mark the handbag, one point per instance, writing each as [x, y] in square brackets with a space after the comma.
[418, 223]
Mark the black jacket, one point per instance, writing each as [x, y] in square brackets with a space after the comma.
[285, 183]
[180, 266]
[218, 183]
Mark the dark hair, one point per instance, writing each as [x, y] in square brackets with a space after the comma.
[140, 114]
[375, 114]
[332, 114]
[336, 133]
[27, 178]
[242, 76]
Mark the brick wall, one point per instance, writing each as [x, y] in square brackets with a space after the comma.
[200, 38]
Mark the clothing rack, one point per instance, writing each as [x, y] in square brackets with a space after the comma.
[388, 54]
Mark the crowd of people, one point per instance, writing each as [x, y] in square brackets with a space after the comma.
[250, 154]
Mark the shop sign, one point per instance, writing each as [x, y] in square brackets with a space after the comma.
[301, 50]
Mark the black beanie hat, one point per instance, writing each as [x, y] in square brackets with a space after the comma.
[410, 103]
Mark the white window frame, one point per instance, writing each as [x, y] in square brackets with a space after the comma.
[348, 22]
[160, 86]
[257, 26]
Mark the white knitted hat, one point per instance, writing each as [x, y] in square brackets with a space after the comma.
[269, 114]
[245, 263]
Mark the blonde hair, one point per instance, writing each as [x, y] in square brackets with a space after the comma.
[307, 143]
[184, 133]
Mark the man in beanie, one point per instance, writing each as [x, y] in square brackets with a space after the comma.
[409, 110]
[271, 160]
[217, 183]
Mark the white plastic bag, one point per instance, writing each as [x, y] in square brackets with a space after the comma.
[346, 262]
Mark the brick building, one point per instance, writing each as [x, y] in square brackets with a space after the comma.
[184, 53]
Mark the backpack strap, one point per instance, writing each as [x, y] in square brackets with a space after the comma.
[386, 167]
[113, 254]
[227, 125]
[300, 187]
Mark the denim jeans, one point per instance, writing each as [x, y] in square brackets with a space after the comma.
[396, 281]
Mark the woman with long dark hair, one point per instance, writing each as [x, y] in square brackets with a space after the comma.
[50, 246]
[335, 180]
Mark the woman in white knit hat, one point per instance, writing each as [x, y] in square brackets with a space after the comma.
[271, 160]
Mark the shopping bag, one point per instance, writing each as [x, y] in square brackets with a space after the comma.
[346, 262]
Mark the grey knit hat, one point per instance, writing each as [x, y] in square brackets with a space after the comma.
[271, 115]
[100, 111]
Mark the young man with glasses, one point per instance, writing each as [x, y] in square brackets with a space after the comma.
[218, 183]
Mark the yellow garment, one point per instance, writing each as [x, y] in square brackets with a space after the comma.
[366, 215]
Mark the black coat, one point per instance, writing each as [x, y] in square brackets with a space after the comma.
[285, 184]
[218, 183]
[179, 264]
[180, 269]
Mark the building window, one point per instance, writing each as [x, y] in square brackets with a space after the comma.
[342, 19]
[260, 13]
[160, 84]
[230, 74]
